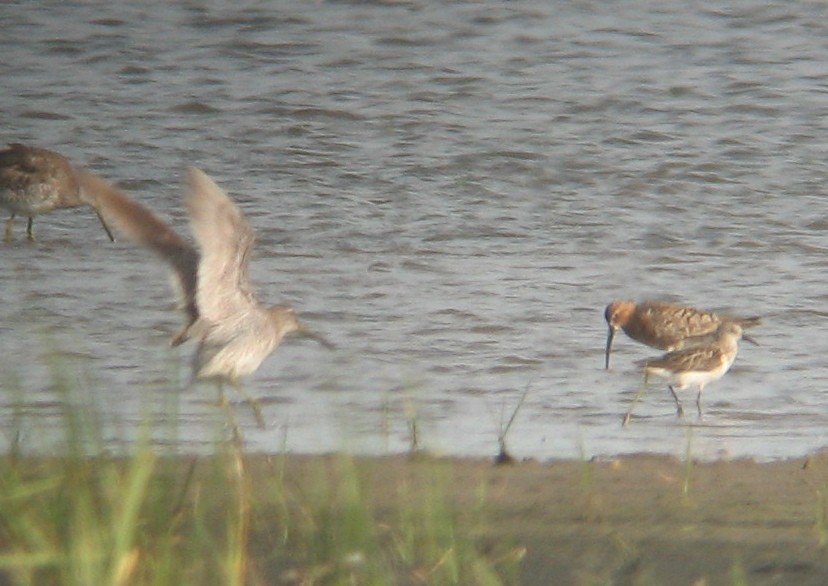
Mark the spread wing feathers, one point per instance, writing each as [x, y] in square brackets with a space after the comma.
[139, 225]
[223, 294]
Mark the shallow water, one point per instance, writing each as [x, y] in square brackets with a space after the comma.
[451, 194]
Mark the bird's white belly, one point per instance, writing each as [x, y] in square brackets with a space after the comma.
[691, 378]
[233, 361]
[698, 378]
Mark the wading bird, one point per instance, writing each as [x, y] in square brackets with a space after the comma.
[696, 366]
[35, 181]
[664, 325]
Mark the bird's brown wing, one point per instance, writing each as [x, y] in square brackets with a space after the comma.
[676, 324]
[139, 225]
[702, 358]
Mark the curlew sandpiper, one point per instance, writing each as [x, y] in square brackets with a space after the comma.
[696, 366]
[665, 326]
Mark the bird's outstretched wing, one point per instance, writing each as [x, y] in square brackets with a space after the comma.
[224, 238]
[139, 225]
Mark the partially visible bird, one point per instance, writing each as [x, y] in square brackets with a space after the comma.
[665, 326]
[696, 366]
[35, 181]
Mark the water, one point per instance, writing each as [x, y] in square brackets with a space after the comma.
[451, 194]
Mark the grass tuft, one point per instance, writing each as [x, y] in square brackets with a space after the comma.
[80, 516]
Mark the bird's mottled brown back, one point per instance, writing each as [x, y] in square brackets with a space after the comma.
[689, 359]
[35, 180]
[667, 326]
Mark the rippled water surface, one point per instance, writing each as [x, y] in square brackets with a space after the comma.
[451, 194]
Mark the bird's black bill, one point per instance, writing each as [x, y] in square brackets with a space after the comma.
[610, 337]
[106, 228]
[750, 339]
[318, 338]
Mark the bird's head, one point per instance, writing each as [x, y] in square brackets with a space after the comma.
[286, 320]
[617, 314]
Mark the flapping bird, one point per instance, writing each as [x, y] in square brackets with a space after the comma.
[664, 325]
[35, 181]
[235, 332]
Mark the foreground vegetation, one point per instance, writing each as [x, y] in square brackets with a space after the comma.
[156, 520]
[82, 517]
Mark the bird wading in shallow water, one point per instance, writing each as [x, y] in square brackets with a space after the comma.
[35, 181]
[696, 366]
[666, 326]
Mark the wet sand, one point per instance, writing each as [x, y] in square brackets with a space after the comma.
[632, 520]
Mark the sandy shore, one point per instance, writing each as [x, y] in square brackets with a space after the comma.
[631, 520]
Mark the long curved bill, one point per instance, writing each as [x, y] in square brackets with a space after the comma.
[750, 339]
[314, 336]
[610, 337]
[105, 227]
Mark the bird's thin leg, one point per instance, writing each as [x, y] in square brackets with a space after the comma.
[679, 408]
[29, 234]
[231, 415]
[9, 225]
[699, 404]
[254, 404]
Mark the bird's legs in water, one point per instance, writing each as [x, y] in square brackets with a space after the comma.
[679, 408]
[231, 415]
[254, 404]
[7, 235]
